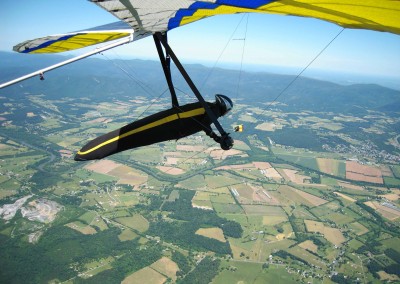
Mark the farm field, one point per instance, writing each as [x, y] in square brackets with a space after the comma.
[146, 274]
[252, 273]
[136, 222]
[357, 172]
[214, 233]
[331, 234]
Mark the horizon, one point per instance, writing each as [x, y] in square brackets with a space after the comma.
[337, 77]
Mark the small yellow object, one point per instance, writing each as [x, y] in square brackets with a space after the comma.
[238, 128]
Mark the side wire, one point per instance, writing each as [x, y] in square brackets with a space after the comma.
[222, 51]
[242, 56]
[297, 76]
[147, 89]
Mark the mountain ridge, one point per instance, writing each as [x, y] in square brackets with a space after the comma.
[100, 78]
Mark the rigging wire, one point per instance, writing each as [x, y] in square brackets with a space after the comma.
[305, 68]
[222, 51]
[147, 89]
[242, 57]
[296, 77]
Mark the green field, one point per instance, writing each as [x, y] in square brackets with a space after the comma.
[194, 182]
[217, 181]
[396, 170]
[306, 256]
[227, 208]
[88, 217]
[358, 228]
[146, 155]
[174, 195]
[302, 160]
[96, 268]
[392, 243]
[127, 235]
[263, 210]
[222, 198]
[246, 273]
[202, 203]
[99, 178]
[136, 222]
[390, 181]
[117, 214]
[339, 219]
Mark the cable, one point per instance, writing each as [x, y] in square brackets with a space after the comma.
[147, 89]
[242, 57]
[222, 52]
[305, 68]
[297, 76]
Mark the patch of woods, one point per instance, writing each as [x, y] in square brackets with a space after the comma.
[186, 220]
[203, 273]
[375, 266]
[132, 260]
[62, 251]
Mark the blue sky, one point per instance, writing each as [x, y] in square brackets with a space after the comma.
[279, 44]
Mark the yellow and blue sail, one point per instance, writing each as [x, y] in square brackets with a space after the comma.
[382, 15]
[76, 40]
[140, 18]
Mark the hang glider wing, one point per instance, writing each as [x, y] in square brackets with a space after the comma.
[141, 18]
[75, 40]
[163, 15]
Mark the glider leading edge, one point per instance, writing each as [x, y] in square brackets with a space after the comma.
[142, 18]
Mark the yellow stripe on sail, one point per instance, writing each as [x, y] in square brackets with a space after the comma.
[80, 41]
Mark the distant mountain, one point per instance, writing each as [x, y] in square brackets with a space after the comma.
[392, 107]
[102, 79]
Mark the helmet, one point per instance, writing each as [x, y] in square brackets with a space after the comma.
[224, 103]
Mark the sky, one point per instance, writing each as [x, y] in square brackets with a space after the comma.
[254, 42]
